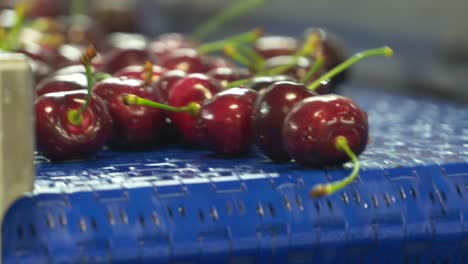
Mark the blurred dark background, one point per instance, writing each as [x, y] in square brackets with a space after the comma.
[430, 37]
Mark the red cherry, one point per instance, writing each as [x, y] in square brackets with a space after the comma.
[270, 111]
[165, 83]
[227, 75]
[195, 88]
[272, 46]
[187, 60]
[311, 128]
[135, 127]
[120, 58]
[224, 122]
[58, 139]
[61, 83]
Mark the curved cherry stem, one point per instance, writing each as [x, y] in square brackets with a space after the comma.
[238, 83]
[319, 190]
[232, 52]
[192, 108]
[384, 51]
[237, 9]
[2, 38]
[75, 116]
[257, 61]
[243, 38]
[319, 61]
[11, 38]
[307, 49]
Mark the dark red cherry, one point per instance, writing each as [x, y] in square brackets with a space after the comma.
[272, 46]
[187, 60]
[135, 127]
[138, 72]
[227, 75]
[61, 83]
[312, 126]
[224, 123]
[120, 58]
[165, 83]
[58, 139]
[271, 108]
[195, 88]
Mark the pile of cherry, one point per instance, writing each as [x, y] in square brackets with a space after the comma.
[271, 92]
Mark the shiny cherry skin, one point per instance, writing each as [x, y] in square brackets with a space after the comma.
[165, 82]
[61, 83]
[187, 60]
[58, 139]
[224, 124]
[135, 127]
[120, 58]
[261, 83]
[227, 75]
[194, 88]
[311, 128]
[271, 108]
[138, 72]
[272, 46]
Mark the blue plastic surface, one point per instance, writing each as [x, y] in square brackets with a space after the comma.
[410, 204]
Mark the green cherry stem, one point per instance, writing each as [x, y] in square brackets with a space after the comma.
[11, 39]
[237, 9]
[243, 38]
[238, 83]
[131, 99]
[2, 39]
[383, 51]
[309, 46]
[319, 61]
[319, 190]
[232, 52]
[257, 60]
[75, 116]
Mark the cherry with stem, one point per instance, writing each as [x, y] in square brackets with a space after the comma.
[75, 116]
[320, 190]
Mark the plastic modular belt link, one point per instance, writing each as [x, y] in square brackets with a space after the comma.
[16, 130]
